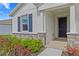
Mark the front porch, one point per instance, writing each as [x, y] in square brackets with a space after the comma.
[57, 24]
[55, 41]
[56, 29]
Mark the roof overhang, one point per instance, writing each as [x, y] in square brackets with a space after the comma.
[15, 9]
[54, 6]
[20, 4]
[6, 22]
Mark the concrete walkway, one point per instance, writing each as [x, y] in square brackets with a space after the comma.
[51, 52]
[54, 48]
[57, 44]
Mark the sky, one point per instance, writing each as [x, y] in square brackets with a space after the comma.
[5, 9]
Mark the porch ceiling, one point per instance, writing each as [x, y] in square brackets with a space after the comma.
[57, 10]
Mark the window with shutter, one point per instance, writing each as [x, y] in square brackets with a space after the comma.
[18, 24]
[30, 22]
[26, 23]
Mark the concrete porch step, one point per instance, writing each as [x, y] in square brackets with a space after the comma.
[57, 44]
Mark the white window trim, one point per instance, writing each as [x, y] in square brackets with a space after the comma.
[22, 24]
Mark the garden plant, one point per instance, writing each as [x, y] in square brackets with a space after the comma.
[13, 46]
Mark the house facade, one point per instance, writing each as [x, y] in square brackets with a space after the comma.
[49, 21]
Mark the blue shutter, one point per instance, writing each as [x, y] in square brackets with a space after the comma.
[18, 24]
[30, 22]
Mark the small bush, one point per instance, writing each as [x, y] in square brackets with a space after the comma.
[26, 42]
[8, 43]
[34, 44]
[5, 46]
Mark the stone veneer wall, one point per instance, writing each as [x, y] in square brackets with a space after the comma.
[73, 39]
[41, 36]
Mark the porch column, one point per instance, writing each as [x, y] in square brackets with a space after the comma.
[72, 19]
[71, 36]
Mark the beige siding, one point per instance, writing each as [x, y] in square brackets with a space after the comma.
[27, 9]
[14, 25]
[49, 26]
[77, 16]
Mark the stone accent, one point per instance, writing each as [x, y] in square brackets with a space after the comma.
[41, 36]
[73, 39]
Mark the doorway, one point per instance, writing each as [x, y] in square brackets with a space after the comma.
[62, 24]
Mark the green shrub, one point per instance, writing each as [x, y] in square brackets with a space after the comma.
[15, 40]
[25, 42]
[8, 43]
[34, 44]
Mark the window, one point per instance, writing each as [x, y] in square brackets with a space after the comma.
[25, 23]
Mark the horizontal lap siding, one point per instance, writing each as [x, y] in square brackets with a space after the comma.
[5, 29]
[28, 9]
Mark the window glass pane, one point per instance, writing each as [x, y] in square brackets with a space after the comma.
[24, 19]
[25, 22]
[25, 27]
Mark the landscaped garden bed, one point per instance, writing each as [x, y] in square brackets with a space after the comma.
[71, 51]
[10, 45]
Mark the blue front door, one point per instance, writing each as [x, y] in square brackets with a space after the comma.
[62, 22]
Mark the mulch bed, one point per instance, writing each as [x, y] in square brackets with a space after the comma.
[65, 53]
[68, 53]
